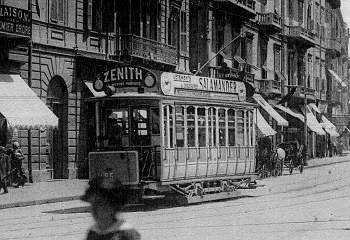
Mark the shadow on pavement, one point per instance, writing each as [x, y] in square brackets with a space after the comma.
[146, 206]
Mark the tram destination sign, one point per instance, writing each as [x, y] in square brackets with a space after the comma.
[15, 20]
[124, 76]
[174, 84]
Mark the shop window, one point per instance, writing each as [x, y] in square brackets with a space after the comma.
[191, 127]
[58, 11]
[231, 127]
[240, 128]
[222, 127]
[180, 126]
[155, 121]
[201, 127]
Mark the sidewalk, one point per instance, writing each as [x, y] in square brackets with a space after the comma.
[67, 190]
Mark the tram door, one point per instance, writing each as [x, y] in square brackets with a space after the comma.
[140, 134]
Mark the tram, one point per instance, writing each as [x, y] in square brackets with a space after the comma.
[192, 135]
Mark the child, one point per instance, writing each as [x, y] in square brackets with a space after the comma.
[106, 197]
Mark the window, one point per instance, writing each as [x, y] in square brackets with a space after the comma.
[117, 126]
[168, 127]
[58, 10]
[247, 48]
[149, 17]
[180, 126]
[231, 127]
[310, 25]
[201, 127]
[290, 6]
[191, 141]
[183, 31]
[277, 58]
[263, 58]
[212, 126]
[155, 121]
[222, 127]
[301, 11]
[173, 27]
[240, 128]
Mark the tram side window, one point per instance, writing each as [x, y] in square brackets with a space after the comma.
[201, 127]
[165, 130]
[180, 126]
[117, 126]
[240, 128]
[222, 127]
[251, 129]
[231, 128]
[191, 127]
[212, 126]
[155, 121]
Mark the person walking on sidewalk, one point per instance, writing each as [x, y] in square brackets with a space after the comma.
[107, 196]
[5, 168]
[17, 157]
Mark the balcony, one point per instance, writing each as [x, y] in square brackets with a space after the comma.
[270, 21]
[147, 49]
[334, 47]
[232, 73]
[269, 86]
[243, 7]
[301, 36]
[300, 92]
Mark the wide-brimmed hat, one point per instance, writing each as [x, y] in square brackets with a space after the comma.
[109, 188]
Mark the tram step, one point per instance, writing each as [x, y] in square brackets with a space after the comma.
[182, 200]
[152, 197]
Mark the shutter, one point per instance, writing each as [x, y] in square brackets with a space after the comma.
[108, 15]
[60, 11]
[54, 10]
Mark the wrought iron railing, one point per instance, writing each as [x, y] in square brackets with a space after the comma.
[270, 19]
[299, 31]
[137, 46]
[269, 86]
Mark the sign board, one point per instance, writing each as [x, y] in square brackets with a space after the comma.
[341, 120]
[122, 165]
[15, 20]
[174, 84]
[122, 76]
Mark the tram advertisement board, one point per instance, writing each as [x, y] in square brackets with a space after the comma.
[175, 84]
[122, 165]
[122, 76]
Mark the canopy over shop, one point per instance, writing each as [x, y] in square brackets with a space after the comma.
[21, 107]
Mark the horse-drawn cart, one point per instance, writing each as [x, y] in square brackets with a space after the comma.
[294, 156]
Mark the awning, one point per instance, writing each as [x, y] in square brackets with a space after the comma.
[329, 127]
[280, 75]
[21, 107]
[291, 112]
[337, 78]
[93, 91]
[239, 59]
[314, 107]
[269, 109]
[263, 126]
[312, 122]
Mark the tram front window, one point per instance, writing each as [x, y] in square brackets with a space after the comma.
[117, 127]
[140, 129]
[180, 126]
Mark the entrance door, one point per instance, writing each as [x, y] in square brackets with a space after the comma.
[140, 134]
[57, 101]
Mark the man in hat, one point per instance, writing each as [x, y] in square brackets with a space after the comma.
[107, 196]
[5, 166]
[16, 161]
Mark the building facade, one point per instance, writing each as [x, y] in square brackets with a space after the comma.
[273, 45]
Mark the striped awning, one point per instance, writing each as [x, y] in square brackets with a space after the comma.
[337, 78]
[21, 107]
[269, 109]
[263, 126]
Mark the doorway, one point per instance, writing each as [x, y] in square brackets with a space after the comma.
[57, 100]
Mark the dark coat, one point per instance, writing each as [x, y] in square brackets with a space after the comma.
[5, 166]
[116, 232]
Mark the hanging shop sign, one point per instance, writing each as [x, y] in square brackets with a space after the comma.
[175, 84]
[15, 20]
[124, 76]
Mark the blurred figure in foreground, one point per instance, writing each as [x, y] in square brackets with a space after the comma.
[107, 196]
[5, 168]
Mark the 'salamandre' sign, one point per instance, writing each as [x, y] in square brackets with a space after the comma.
[15, 20]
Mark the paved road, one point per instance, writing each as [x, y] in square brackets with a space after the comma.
[315, 205]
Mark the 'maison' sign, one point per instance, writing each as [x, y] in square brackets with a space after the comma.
[15, 20]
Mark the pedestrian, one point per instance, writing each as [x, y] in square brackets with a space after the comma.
[107, 196]
[17, 157]
[5, 168]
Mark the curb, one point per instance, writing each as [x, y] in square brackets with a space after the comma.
[38, 202]
[326, 164]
